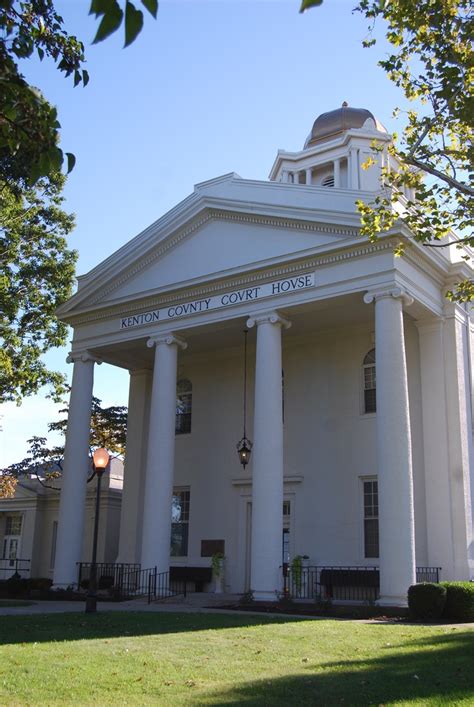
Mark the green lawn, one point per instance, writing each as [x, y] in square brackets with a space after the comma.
[199, 659]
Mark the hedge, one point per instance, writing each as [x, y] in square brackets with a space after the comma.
[426, 600]
[459, 601]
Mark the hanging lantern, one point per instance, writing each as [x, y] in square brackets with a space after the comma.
[244, 450]
[244, 446]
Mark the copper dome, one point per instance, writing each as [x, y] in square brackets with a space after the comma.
[330, 124]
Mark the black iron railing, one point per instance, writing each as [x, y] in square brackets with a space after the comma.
[427, 574]
[353, 583]
[109, 574]
[129, 581]
[17, 566]
[160, 586]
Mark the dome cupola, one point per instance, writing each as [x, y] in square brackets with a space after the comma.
[329, 125]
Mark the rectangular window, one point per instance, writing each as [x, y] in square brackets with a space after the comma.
[13, 525]
[53, 544]
[371, 519]
[369, 389]
[180, 523]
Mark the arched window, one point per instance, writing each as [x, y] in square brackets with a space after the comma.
[369, 382]
[184, 406]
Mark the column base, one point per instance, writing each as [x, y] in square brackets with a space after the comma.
[400, 601]
[262, 595]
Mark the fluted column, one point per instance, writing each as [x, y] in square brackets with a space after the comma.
[394, 454]
[296, 178]
[75, 472]
[309, 176]
[267, 482]
[160, 455]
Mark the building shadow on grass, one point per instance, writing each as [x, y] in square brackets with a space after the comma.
[441, 676]
[39, 628]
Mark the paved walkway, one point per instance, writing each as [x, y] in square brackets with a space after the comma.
[200, 602]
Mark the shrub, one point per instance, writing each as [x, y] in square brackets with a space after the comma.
[16, 586]
[426, 600]
[42, 584]
[459, 601]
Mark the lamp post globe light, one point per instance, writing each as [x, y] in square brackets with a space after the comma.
[100, 459]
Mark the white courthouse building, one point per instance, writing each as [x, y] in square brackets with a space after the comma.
[359, 380]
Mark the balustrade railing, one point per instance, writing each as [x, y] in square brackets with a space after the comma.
[351, 583]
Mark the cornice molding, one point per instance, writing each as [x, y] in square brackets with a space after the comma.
[237, 281]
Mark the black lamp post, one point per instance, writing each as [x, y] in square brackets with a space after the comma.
[244, 446]
[100, 461]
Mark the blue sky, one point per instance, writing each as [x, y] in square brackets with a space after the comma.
[211, 86]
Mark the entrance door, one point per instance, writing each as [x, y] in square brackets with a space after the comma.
[11, 545]
[285, 546]
[248, 544]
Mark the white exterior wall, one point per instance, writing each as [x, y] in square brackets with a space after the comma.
[329, 446]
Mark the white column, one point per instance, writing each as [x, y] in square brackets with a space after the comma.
[285, 176]
[435, 444]
[354, 168]
[156, 533]
[135, 464]
[337, 173]
[309, 176]
[394, 456]
[267, 463]
[75, 472]
[296, 178]
[459, 419]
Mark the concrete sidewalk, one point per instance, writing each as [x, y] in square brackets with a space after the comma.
[192, 603]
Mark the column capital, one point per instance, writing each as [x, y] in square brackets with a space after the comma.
[168, 340]
[392, 291]
[268, 318]
[83, 356]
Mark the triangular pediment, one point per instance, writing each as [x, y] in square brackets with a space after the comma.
[214, 233]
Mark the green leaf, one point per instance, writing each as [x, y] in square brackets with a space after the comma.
[151, 6]
[308, 4]
[85, 77]
[133, 23]
[77, 78]
[111, 21]
[100, 7]
[71, 161]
